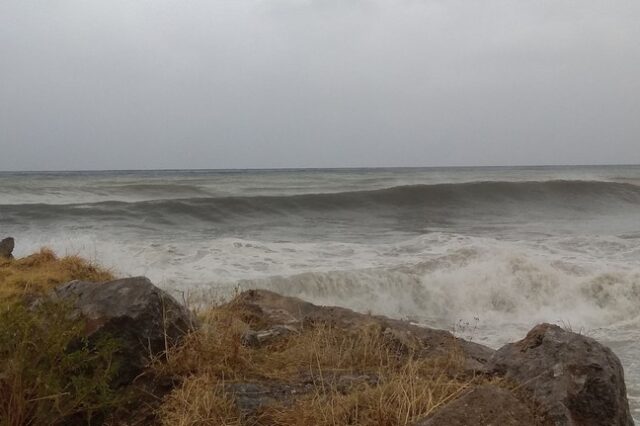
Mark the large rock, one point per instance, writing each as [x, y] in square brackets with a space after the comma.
[273, 309]
[486, 405]
[6, 248]
[144, 319]
[574, 379]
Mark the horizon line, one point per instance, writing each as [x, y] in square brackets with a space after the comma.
[238, 169]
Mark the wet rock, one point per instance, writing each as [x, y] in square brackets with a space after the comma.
[6, 248]
[574, 379]
[486, 405]
[144, 319]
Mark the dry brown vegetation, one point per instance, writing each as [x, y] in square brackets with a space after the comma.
[48, 375]
[43, 270]
[339, 377]
[314, 375]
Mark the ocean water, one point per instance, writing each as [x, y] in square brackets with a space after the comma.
[484, 252]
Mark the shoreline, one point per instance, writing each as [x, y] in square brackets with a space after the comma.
[263, 358]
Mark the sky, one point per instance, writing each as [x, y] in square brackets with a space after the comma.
[148, 84]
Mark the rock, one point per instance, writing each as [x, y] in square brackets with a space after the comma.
[6, 248]
[272, 309]
[485, 405]
[144, 319]
[258, 338]
[252, 397]
[574, 379]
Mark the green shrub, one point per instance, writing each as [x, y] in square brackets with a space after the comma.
[49, 374]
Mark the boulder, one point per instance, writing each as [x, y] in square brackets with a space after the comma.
[6, 248]
[486, 405]
[574, 379]
[273, 309]
[144, 319]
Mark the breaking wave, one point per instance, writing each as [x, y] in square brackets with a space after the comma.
[502, 288]
[436, 202]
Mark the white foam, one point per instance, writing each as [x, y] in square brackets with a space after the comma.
[436, 276]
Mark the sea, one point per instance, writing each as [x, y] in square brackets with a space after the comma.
[484, 252]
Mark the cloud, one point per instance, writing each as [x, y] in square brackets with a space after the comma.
[313, 83]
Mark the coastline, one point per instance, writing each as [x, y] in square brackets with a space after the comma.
[263, 358]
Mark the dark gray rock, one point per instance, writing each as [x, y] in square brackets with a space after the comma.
[574, 379]
[6, 248]
[486, 405]
[144, 319]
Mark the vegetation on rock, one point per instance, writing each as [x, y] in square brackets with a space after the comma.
[265, 359]
[321, 375]
[48, 372]
[42, 271]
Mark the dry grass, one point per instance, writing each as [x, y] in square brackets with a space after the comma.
[200, 402]
[343, 377]
[405, 395]
[48, 373]
[333, 376]
[43, 270]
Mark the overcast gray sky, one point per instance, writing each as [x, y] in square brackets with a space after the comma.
[121, 84]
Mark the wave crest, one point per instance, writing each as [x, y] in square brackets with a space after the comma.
[434, 203]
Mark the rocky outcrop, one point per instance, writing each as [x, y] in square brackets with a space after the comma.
[6, 248]
[570, 379]
[276, 311]
[575, 380]
[487, 405]
[273, 316]
[144, 319]
[561, 378]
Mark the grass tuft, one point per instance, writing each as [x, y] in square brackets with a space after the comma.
[199, 401]
[340, 377]
[49, 374]
[43, 270]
